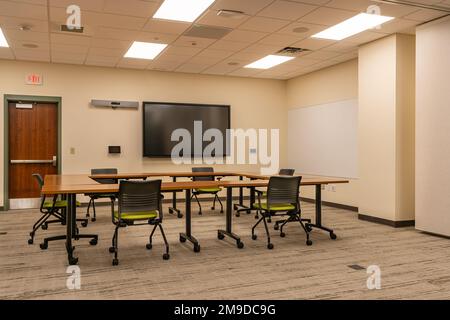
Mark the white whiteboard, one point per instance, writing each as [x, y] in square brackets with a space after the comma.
[323, 139]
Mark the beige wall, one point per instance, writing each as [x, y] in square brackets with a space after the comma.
[386, 128]
[255, 103]
[336, 83]
[433, 128]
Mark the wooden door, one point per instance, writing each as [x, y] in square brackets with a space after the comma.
[33, 147]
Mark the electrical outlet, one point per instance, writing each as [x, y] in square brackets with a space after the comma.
[72, 151]
[253, 151]
[333, 188]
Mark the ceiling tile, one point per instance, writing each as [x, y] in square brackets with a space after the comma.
[182, 51]
[107, 52]
[263, 24]
[287, 10]
[192, 68]
[250, 7]
[313, 44]
[85, 5]
[307, 29]
[245, 72]
[32, 54]
[212, 53]
[282, 40]
[14, 34]
[229, 45]
[160, 26]
[193, 42]
[322, 55]
[116, 34]
[210, 18]
[342, 46]
[102, 60]
[110, 43]
[244, 36]
[136, 8]
[166, 57]
[65, 57]
[67, 48]
[207, 61]
[395, 26]
[133, 63]
[424, 15]
[23, 10]
[14, 23]
[327, 16]
[163, 66]
[365, 37]
[57, 38]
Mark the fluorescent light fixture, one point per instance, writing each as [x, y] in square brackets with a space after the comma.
[352, 26]
[182, 10]
[269, 62]
[145, 50]
[3, 42]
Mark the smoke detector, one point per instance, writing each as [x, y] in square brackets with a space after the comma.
[230, 14]
[25, 27]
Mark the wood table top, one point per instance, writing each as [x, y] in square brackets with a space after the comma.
[114, 188]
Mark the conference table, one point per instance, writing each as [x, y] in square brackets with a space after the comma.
[69, 186]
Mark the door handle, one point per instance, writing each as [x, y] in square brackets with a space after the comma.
[53, 161]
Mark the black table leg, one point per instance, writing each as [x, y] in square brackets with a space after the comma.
[229, 216]
[318, 224]
[174, 208]
[188, 235]
[71, 205]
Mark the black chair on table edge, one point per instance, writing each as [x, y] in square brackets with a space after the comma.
[282, 200]
[93, 197]
[54, 208]
[139, 201]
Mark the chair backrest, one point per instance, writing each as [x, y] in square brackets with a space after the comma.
[39, 179]
[105, 171]
[205, 178]
[140, 196]
[286, 172]
[283, 189]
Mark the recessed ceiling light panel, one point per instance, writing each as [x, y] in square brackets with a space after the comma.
[352, 26]
[269, 62]
[145, 50]
[182, 10]
[3, 42]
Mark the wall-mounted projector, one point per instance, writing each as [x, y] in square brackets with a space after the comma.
[115, 104]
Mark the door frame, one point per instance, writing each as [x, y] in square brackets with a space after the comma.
[27, 99]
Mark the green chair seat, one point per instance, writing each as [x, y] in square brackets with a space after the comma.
[275, 207]
[208, 190]
[58, 204]
[132, 216]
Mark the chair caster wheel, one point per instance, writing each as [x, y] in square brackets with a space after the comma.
[200, 213]
[84, 224]
[93, 242]
[43, 246]
[197, 248]
[269, 220]
[44, 227]
[115, 262]
[270, 246]
[170, 211]
[238, 215]
[256, 217]
[182, 239]
[220, 236]
[333, 236]
[166, 256]
[73, 261]
[180, 216]
[221, 211]
[283, 235]
[235, 207]
[240, 245]
[149, 246]
[30, 241]
[94, 219]
[254, 237]
[276, 227]
[112, 250]
[309, 229]
[309, 243]
[63, 223]
[213, 208]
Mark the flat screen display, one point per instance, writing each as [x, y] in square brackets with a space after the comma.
[162, 119]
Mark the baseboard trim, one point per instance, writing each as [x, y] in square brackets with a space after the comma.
[394, 224]
[333, 205]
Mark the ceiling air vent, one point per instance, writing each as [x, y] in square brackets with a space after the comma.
[207, 32]
[291, 51]
[66, 28]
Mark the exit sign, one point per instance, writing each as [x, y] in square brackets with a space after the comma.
[33, 79]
